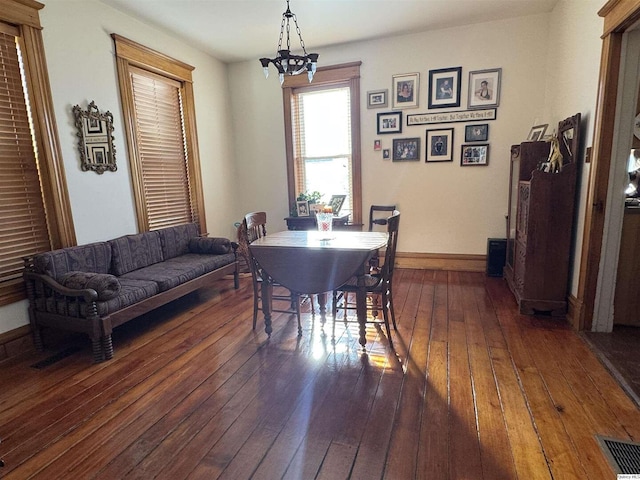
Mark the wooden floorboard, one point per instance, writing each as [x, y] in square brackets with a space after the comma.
[471, 390]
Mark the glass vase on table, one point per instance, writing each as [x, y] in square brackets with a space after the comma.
[324, 220]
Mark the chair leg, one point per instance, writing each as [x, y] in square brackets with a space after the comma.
[393, 313]
[345, 301]
[256, 304]
[385, 315]
[255, 312]
[296, 299]
[334, 305]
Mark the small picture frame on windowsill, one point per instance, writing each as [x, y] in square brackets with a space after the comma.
[302, 207]
[336, 203]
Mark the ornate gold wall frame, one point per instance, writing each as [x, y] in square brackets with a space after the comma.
[95, 139]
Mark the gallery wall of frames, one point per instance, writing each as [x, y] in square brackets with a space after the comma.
[446, 104]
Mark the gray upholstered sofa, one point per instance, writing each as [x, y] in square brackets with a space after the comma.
[96, 287]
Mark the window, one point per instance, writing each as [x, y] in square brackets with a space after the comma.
[35, 215]
[322, 131]
[157, 99]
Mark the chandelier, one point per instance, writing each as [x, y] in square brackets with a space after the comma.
[287, 63]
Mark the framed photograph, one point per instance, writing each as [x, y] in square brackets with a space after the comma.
[439, 145]
[406, 149]
[315, 208]
[303, 208]
[444, 87]
[386, 154]
[537, 133]
[390, 122]
[336, 203]
[476, 133]
[474, 155]
[484, 88]
[377, 98]
[377, 145]
[405, 90]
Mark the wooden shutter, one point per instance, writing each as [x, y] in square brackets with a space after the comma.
[23, 224]
[161, 149]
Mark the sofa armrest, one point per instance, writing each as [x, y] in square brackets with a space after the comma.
[87, 294]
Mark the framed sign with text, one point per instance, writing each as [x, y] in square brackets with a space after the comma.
[452, 117]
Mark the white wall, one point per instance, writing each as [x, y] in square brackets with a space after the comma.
[82, 68]
[445, 208]
[572, 86]
[549, 71]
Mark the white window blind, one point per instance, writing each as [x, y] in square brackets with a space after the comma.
[321, 126]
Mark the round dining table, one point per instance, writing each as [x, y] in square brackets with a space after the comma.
[313, 262]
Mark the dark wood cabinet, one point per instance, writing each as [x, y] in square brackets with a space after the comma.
[540, 224]
[309, 223]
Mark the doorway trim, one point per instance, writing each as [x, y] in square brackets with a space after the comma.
[619, 16]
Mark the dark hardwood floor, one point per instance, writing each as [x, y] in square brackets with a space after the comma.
[472, 391]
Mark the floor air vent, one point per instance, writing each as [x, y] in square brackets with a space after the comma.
[624, 456]
[67, 352]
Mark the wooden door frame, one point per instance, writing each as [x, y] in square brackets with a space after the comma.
[619, 16]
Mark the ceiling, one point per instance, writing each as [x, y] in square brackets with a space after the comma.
[237, 30]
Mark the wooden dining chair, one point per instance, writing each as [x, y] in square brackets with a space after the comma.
[379, 284]
[378, 215]
[252, 227]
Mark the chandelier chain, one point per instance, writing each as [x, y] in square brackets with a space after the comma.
[281, 32]
[288, 30]
[295, 20]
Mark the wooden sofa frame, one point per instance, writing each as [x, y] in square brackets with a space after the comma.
[98, 328]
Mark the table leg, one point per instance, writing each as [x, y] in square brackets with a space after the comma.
[361, 310]
[267, 292]
[322, 305]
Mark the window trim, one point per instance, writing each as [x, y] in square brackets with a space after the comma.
[24, 14]
[132, 54]
[344, 74]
